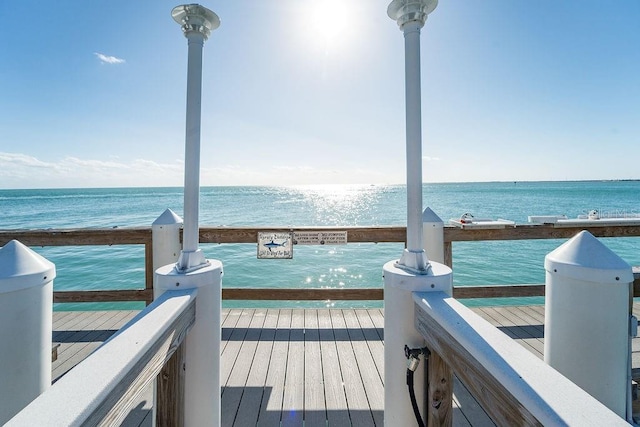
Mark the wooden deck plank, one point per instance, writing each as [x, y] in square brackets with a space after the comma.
[70, 318]
[233, 390]
[525, 332]
[373, 336]
[293, 396]
[233, 345]
[256, 392]
[76, 327]
[315, 410]
[297, 367]
[228, 324]
[370, 377]
[537, 311]
[506, 326]
[377, 317]
[336, 401]
[358, 406]
[271, 410]
[525, 318]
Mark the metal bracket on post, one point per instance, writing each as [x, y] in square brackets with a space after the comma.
[413, 356]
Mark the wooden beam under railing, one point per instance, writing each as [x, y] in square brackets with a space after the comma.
[397, 234]
[316, 294]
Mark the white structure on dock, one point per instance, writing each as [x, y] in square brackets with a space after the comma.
[588, 284]
[26, 310]
[202, 360]
[413, 271]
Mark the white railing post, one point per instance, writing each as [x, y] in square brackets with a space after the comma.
[433, 235]
[202, 345]
[26, 312]
[587, 318]
[413, 271]
[166, 247]
[165, 237]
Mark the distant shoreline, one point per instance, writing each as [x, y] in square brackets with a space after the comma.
[330, 185]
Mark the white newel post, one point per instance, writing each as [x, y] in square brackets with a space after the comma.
[165, 238]
[166, 247]
[192, 270]
[588, 323]
[413, 271]
[26, 323]
[433, 234]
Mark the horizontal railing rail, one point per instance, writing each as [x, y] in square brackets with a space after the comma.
[231, 235]
[101, 389]
[511, 384]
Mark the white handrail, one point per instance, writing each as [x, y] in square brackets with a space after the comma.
[101, 389]
[487, 358]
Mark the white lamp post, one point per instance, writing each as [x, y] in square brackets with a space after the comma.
[197, 22]
[413, 271]
[202, 354]
[411, 16]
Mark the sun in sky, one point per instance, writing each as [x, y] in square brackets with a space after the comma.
[328, 20]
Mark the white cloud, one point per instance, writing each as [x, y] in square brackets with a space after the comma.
[431, 159]
[106, 59]
[24, 171]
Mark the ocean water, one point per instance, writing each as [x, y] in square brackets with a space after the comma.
[344, 266]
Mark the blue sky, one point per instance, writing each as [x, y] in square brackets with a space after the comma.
[312, 92]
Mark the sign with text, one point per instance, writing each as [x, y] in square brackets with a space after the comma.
[275, 245]
[319, 237]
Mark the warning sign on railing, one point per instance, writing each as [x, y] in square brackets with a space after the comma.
[275, 245]
[319, 237]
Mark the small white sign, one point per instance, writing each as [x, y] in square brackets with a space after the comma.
[319, 237]
[275, 245]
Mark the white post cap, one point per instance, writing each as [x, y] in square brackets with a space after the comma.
[429, 216]
[22, 268]
[585, 258]
[168, 217]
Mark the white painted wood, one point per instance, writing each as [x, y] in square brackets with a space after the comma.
[586, 281]
[165, 234]
[26, 301]
[433, 235]
[202, 365]
[548, 396]
[104, 385]
[399, 331]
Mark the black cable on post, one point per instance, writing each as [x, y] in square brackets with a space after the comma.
[413, 359]
[412, 396]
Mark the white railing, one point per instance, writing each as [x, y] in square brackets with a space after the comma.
[512, 385]
[101, 389]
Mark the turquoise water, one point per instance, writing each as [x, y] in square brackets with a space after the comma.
[346, 266]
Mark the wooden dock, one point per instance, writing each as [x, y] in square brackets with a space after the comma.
[293, 366]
